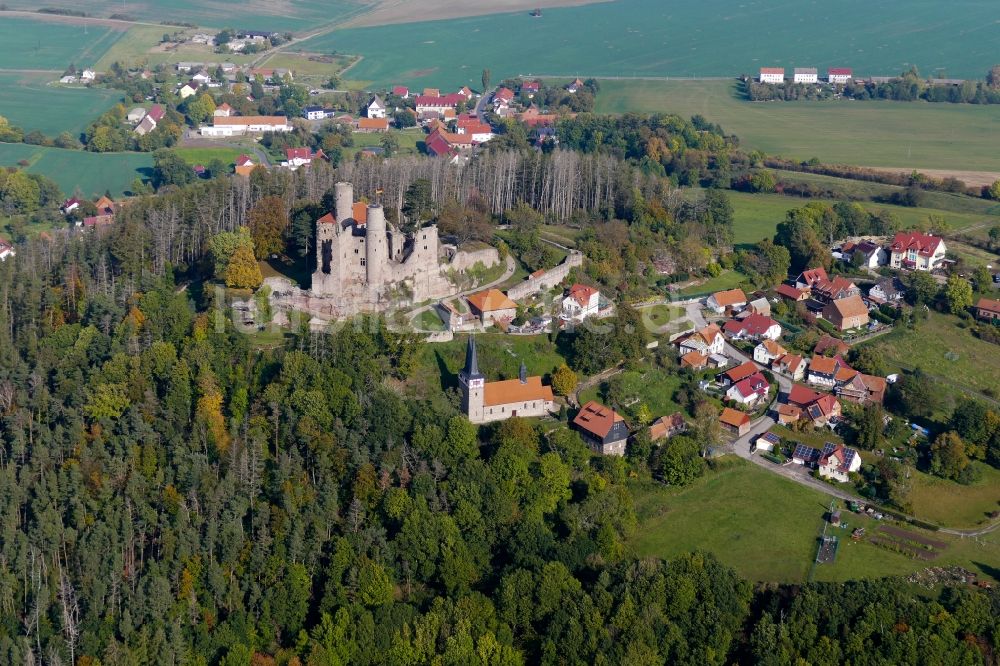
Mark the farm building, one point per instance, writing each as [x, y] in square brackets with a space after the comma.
[805, 75]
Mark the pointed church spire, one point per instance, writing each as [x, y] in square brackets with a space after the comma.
[471, 368]
[523, 373]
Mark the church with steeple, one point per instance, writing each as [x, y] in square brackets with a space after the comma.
[485, 402]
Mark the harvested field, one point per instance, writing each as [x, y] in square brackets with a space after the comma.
[406, 11]
[912, 536]
[970, 178]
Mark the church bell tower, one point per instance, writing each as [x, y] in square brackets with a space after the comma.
[473, 384]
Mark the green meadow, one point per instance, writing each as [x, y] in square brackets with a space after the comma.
[30, 102]
[886, 134]
[92, 173]
[27, 43]
[290, 15]
[689, 39]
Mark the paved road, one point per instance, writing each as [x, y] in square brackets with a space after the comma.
[483, 101]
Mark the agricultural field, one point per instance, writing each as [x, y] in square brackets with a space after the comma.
[205, 155]
[309, 67]
[36, 44]
[92, 173]
[740, 512]
[902, 135]
[141, 47]
[948, 503]
[292, 15]
[409, 140]
[29, 102]
[652, 38]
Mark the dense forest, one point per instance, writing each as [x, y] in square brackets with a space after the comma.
[175, 494]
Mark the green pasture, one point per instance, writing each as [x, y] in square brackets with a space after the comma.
[693, 39]
[724, 280]
[291, 15]
[884, 134]
[30, 102]
[30, 44]
[205, 155]
[766, 528]
[948, 503]
[93, 173]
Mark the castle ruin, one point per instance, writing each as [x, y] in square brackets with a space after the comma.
[365, 265]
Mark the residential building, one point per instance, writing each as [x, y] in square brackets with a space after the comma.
[244, 165]
[70, 205]
[580, 302]
[573, 86]
[862, 389]
[242, 125]
[913, 250]
[135, 115]
[6, 250]
[772, 75]
[753, 327]
[492, 307]
[834, 461]
[768, 351]
[740, 372]
[223, 111]
[866, 254]
[666, 427]
[105, 206]
[479, 131]
[805, 75]
[202, 78]
[97, 221]
[188, 89]
[88, 75]
[730, 298]
[375, 108]
[827, 372]
[437, 103]
[530, 88]
[792, 293]
[299, 157]
[988, 309]
[602, 428]
[831, 290]
[502, 98]
[708, 340]
[827, 343]
[846, 313]
[839, 75]
[759, 306]
[790, 365]
[485, 402]
[734, 421]
[749, 391]
[808, 278]
[887, 290]
[401, 91]
[317, 113]
[694, 360]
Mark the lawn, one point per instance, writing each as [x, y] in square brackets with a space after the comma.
[724, 280]
[30, 102]
[655, 389]
[971, 363]
[766, 527]
[661, 315]
[408, 141]
[500, 357]
[93, 173]
[888, 134]
[30, 43]
[948, 503]
[309, 66]
[205, 155]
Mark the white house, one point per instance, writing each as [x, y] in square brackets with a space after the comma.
[317, 113]
[753, 327]
[69, 78]
[223, 111]
[839, 75]
[730, 298]
[916, 251]
[805, 75]
[241, 125]
[6, 250]
[375, 108]
[202, 77]
[837, 462]
[706, 341]
[867, 254]
[767, 351]
[136, 114]
[88, 75]
[749, 391]
[772, 75]
[580, 302]
[188, 89]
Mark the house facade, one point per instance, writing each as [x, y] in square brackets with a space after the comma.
[988, 309]
[492, 307]
[846, 313]
[734, 421]
[767, 352]
[242, 125]
[915, 251]
[772, 75]
[580, 302]
[839, 75]
[750, 391]
[603, 429]
[753, 327]
[707, 341]
[805, 75]
[375, 108]
[730, 298]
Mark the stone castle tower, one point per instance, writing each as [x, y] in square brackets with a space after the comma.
[473, 384]
[364, 265]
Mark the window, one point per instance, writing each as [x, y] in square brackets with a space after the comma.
[355, 250]
[362, 261]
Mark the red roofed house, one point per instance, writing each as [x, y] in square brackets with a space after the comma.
[70, 205]
[694, 360]
[492, 306]
[581, 301]
[772, 75]
[707, 341]
[438, 145]
[808, 278]
[801, 402]
[437, 103]
[296, 157]
[767, 352]
[105, 206]
[602, 428]
[754, 327]
[863, 389]
[790, 365]
[223, 111]
[730, 298]
[829, 343]
[573, 86]
[988, 309]
[369, 125]
[401, 91]
[479, 131]
[748, 391]
[828, 372]
[734, 421]
[503, 97]
[916, 251]
[740, 372]
[156, 112]
[667, 426]
[839, 75]
[831, 290]
[837, 462]
[792, 293]
[529, 88]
